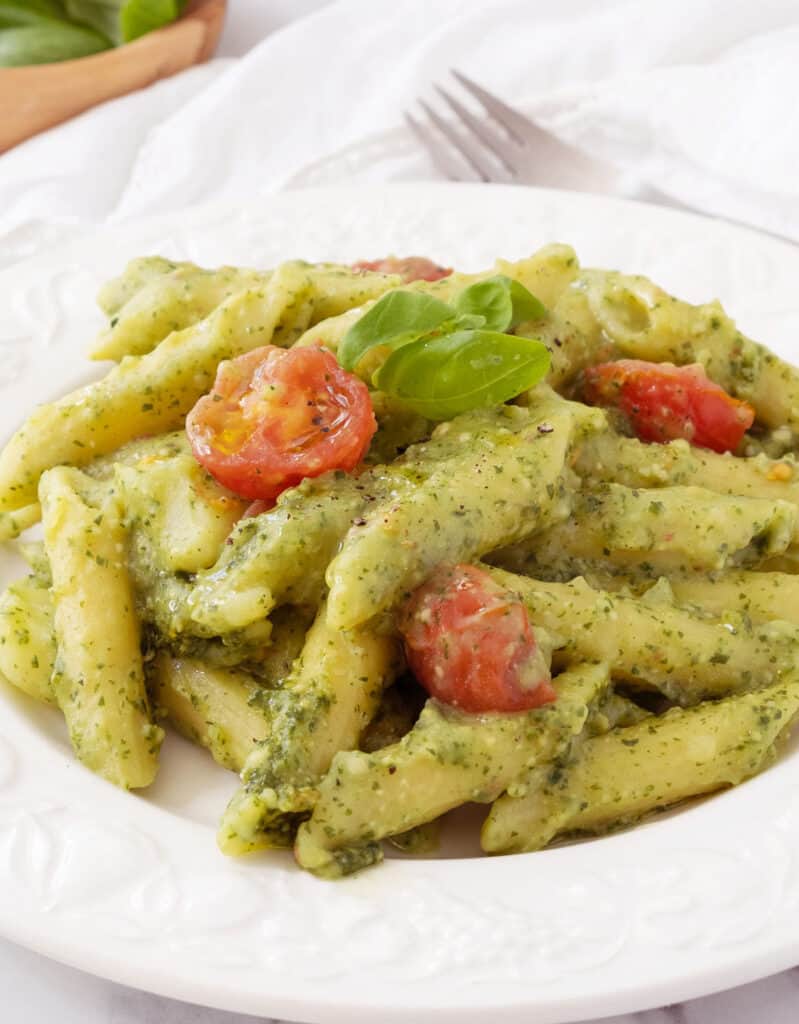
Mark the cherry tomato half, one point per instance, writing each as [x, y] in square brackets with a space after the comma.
[276, 416]
[664, 402]
[470, 643]
[411, 268]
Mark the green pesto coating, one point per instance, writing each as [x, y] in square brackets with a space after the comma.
[166, 302]
[281, 555]
[217, 708]
[138, 273]
[447, 759]
[506, 478]
[614, 711]
[163, 299]
[162, 595]
[645, 322]
[757, 596]
[98, 676]
[545, 487]
[27, 640]
[12, 524]
[265, 651]
[657, 530]
[186, 512]
[654, 644]
[148, 394]
[323, 706]
[396, 714]
[617, 778]
[610, 458]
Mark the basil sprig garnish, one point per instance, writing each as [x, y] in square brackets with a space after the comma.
[396, 319]
[453, 373]
[502, 301]
[442, 359]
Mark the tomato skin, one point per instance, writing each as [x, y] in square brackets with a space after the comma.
[470, 644]
[411, 268]
[276, 416]
[664, 402]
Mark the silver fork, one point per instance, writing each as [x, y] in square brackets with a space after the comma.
[505, 146]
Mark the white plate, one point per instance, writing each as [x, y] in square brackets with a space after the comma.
[133, 888]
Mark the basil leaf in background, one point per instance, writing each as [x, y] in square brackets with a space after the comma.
[124, 20]
[395, 319]
[142, 16]
[14, 13]
[502, 301]
[440, 377]
[49, 8]
[48, 42]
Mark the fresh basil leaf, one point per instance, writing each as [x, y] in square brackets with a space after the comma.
[397, 318]
[102, 16]
[142, 16]
[15, 13]
[124, 20]
[443, 376]
[502, 301]
[48, 8]
[490, 299]
[469, 321]
[48, 42]
[525, 305]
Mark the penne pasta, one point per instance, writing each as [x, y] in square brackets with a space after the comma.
[325, 704]
[219, 709]
[336, 525]
[447, 759]
[618, 777]
[652, 531]
[98, 677]
[27, 640]
[687, 657]
[510, 480]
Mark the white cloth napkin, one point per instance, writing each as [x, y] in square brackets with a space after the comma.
[695, 97]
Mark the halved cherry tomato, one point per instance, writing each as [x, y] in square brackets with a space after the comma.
[470, 643]
[276, 416]
[664, 402]
[411, 268]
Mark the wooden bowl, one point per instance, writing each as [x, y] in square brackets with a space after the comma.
[42, 95]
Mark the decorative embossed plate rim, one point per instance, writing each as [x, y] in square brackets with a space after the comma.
[132, 888]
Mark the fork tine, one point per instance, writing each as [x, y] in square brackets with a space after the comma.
[470, 153]
[515, 122]
[575, 167]
[500, 146]
[439, 153]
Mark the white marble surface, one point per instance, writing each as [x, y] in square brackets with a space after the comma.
[39, 991]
